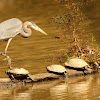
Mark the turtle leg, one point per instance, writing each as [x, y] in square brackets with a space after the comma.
[30, 77]
[84, 72]
[12, 77]
[87, 69]
[83, 69]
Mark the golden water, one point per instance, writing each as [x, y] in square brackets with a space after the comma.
[33, 53]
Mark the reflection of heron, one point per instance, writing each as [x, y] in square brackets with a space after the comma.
[12, 27]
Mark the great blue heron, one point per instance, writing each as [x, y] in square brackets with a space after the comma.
[12, 27]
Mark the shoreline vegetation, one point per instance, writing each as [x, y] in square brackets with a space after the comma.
[79, 44]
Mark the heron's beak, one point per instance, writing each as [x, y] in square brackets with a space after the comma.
[38, 29]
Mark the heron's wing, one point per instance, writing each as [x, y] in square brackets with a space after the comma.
[10, 28]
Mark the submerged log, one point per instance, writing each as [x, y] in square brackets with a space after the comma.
[44, 76]
[39, 77]
[5, 80]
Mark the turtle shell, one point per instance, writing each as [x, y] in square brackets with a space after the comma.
[76, 63]
[17, 73]
[56, 69]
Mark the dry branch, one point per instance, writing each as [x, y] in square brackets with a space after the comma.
[76, 42]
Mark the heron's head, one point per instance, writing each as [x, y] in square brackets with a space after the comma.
[35, 27]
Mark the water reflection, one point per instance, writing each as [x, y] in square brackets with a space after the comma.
[79, 88]
[59, 92]
[22, 92]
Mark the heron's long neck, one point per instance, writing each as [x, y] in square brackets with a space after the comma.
[26, 31]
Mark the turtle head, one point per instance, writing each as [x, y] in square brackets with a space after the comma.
[65, 74]
[88, 68]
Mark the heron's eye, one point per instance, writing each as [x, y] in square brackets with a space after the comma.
[28, 26]
[32, 23]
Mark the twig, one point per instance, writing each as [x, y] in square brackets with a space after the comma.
[76, 43]
[8, 59]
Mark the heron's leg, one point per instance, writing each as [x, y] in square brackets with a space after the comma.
[7, 45]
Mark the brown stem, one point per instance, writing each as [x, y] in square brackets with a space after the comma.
[76, 42]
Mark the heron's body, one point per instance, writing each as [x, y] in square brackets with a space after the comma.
[9, 29]
[12, 27]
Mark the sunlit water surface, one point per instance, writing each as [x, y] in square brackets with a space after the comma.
[79, 88]
[33, 53]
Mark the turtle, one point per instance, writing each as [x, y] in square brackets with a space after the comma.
[78, 64]
[18, 74]
[57, 69]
